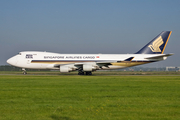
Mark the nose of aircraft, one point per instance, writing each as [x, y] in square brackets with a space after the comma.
[11, 61]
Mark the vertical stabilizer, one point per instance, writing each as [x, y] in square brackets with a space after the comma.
[157, 45]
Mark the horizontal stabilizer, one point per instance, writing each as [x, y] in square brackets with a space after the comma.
[160, 56]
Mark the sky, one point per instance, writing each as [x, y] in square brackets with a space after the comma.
[88, 26]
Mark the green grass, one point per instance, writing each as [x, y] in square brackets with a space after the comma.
[98, 73]
[74, 97]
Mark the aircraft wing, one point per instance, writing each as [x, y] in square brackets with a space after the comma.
[99, 63]
[107, 62]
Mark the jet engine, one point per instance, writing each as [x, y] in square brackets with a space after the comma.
[88, 67]
[65, 69]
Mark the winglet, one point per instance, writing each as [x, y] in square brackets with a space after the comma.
[157, 45]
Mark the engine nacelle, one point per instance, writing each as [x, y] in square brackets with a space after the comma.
[88, 67]
[65, 69]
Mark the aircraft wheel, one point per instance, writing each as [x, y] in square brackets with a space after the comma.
[80, 73]
[88, 73]
[24, 72]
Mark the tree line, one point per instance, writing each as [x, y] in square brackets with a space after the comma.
[12, 68]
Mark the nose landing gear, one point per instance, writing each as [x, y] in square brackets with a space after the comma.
[24, 71]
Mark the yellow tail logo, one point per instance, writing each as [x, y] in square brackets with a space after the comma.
[156, 44]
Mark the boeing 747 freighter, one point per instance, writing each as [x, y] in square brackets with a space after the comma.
[87, 63]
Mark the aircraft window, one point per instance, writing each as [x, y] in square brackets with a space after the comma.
[19, 53]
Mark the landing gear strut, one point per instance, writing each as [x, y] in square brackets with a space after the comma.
[24, 71]
[80, 71]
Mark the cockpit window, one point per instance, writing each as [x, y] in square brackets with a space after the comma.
[19, 53]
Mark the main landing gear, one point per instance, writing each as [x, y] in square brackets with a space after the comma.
[88, 73]
[24, 71]
[84, 73]
[81, 72]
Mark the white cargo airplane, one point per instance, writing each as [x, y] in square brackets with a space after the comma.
[87, 63]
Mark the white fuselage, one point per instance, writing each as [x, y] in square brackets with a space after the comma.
[87, 63]
[47, 60]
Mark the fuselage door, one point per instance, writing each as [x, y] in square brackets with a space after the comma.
[29, 57]
[28, 61]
